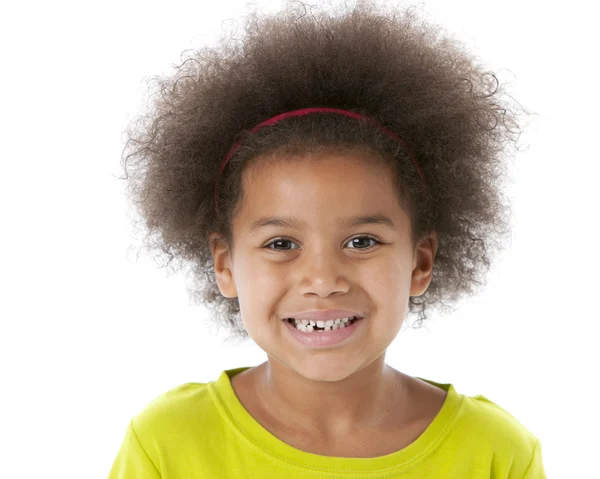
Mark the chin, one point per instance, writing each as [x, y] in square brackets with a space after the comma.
[325, 370]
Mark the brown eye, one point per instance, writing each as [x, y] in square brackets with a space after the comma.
[365, 239]
[279, 242]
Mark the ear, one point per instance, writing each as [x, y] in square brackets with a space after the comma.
[423, 260]
[223, 265]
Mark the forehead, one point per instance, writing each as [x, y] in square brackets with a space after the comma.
[319, 190]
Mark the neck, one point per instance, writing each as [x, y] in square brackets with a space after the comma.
[362, 400]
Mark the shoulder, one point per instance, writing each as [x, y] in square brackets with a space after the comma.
[186, 409]
[499, 436]
[170, 423]
[172, 407]
[168, 426]
[486, 417]
[480, 425]
[479, 415]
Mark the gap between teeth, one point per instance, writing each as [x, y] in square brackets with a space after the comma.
[308, 325]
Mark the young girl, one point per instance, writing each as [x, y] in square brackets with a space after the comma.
[326, 177]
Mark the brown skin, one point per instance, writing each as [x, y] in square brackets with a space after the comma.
[312, 397]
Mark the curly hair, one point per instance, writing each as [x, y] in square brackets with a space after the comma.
[389, 65]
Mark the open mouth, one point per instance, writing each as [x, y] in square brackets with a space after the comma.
[310, 326]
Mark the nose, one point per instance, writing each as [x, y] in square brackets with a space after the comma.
[322, 272]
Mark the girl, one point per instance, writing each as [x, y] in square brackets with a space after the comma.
[327, 177]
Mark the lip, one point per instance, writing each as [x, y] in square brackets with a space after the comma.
[324, 339]
[324, 315]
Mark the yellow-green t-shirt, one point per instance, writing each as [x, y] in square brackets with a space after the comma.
[202, 431]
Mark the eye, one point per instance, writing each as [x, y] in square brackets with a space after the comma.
[368, 238]
[281, 241]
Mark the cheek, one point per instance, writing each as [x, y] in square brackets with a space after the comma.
[385, 277]
[388, 287]
[264, 280]
[253, 276]
[260, 289]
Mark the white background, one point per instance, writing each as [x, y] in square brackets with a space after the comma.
[89, 335]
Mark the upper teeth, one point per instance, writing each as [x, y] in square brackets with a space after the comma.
[323, 324]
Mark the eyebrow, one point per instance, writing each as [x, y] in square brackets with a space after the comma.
[294, 223]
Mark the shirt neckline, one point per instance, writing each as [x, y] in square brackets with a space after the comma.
[261, 440]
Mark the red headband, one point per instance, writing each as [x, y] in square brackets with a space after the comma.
[306, 111]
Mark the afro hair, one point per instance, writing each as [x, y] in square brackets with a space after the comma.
[387, 64]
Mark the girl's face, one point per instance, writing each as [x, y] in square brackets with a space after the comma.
[321, 263]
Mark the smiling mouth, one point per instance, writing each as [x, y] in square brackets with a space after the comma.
[309, 326]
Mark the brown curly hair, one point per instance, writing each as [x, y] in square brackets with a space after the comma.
[389, 65]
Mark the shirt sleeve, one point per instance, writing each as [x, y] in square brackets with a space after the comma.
[132, 462]
[536, 467]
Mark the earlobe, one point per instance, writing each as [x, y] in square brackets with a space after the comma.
[222, 264]
[424, 260]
